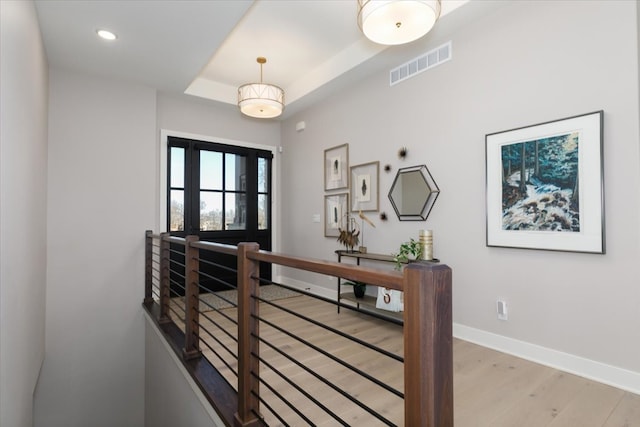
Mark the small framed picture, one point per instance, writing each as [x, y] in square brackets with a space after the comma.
[545, 186]
[364, 187]
[336, 211]
[336, 167]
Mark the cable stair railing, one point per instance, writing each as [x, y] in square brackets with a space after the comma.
[268, 361]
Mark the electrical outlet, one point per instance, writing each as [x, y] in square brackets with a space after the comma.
[501, 308]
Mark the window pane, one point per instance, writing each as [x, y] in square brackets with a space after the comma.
[263, 211]
[235, 211]
[176, 215]
[177, 167]
[262, 175]
[235, 173]
[210, 211]
[210, 170]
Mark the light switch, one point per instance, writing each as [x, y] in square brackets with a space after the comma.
[501, 308]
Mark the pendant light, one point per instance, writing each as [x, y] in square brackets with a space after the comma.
[261, 100]
[394, 22]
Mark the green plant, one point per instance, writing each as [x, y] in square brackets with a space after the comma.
[359, 288]
[408, 251]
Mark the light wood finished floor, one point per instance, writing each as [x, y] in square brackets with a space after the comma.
[490, 388]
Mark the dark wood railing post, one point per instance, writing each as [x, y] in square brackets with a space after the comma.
[165, 286]
[248, 345]
[192, 310]
[428, 346]
[148, 267]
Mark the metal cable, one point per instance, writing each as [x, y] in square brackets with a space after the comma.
[220, 358]
[217, 280]
[225, 315]
[334, 358]
[177, 274]
[176, 313]
[215, 264]
[282, 399]
[178, 284]
[332, 302]
[296, 386]
[220, 342]
[335, 331]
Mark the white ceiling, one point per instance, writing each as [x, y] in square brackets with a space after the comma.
[208, 48]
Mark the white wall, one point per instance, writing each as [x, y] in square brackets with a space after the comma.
[104, 182]
[102, 176]
[194, 115]
[171, 397]
[514, 64]
[23, 203]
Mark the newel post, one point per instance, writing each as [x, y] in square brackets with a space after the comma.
[148, 267]
[192, 310]
[165, 292]
[428, 345]
[248, 345]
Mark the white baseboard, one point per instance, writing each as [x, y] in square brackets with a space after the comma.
[596, 371]
[309, 287]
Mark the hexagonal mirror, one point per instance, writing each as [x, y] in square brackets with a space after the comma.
[413, 193]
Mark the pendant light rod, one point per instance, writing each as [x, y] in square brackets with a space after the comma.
[261, 60]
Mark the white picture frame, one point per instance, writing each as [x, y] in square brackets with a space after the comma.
[559, 205]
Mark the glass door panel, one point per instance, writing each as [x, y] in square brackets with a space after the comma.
[176, 189]
[235, 172]
[264, 185]
[263, 211]
[176, 220]
[236, 212]
[211, 170]
[210, 211]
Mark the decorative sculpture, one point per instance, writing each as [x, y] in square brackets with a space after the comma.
[349, 235]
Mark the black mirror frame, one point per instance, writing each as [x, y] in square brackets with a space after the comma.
[434, 191]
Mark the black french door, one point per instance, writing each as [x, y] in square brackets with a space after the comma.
[222, 193]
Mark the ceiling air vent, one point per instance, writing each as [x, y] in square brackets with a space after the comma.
[422, 63]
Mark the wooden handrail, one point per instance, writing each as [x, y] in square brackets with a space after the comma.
[174, 239]
[373, 276]
[217, 247]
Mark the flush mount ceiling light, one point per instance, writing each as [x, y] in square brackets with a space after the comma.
[261, 100]
[107, 35]
[394, 22]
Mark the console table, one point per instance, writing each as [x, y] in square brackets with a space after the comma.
[367, 301]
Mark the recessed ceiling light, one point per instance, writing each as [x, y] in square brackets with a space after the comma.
[107, 35]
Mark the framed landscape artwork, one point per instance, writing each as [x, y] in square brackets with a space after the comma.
[545, 186]
[336, 167]
[336, 212]
[364, 187]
